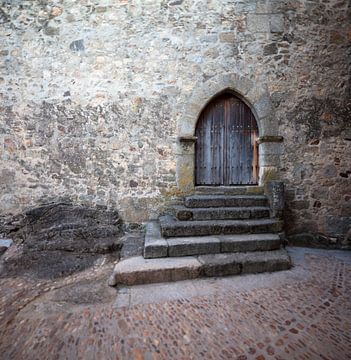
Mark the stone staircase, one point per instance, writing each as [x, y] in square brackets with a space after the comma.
[216, 232]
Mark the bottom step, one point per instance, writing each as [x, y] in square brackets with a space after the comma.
[137, 270]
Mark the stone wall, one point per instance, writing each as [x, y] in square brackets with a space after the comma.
[92, 94]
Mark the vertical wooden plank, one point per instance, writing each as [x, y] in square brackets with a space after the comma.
[208, 148]
[247, 148]
[214, 174]
[221, 142]
[216, 145]
[233, 140]
[226, 147]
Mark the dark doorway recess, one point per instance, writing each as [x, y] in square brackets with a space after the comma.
[226, 151]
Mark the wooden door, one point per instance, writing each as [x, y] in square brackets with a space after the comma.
[226, 152]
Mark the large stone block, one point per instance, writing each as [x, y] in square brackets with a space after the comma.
[219, 265]
[250, 242]
[70, 227]
[137, 270]
[268, 261]
[193, 246]
[155, 245]
[276, 23]
[258, 23]
[275, 193]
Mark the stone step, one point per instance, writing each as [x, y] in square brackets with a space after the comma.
[229, 190]
[173, 228]
[185, 246]
[221, 213]
[209, 201]
[156, 246]
[137, 270]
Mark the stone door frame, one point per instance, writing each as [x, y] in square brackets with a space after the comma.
[257, 98]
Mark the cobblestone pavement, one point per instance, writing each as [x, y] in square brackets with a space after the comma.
[303, 313]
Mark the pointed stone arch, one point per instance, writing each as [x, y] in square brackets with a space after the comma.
[256, 97]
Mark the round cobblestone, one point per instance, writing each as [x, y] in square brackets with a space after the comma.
[305, 317]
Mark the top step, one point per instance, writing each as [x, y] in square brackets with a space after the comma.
[229, 190]
[205, 201]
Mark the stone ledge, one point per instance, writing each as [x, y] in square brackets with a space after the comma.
[268, 139]
[187, 139]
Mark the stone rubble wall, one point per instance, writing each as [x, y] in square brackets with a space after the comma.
[92, 92]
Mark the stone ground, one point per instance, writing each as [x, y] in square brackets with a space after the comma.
[303, 313]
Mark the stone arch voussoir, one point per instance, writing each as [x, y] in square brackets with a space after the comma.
[256, 97]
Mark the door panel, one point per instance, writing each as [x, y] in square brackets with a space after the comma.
[226, 151]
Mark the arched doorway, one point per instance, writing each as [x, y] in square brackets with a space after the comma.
[226, 151]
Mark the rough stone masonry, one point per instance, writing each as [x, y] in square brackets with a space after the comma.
[92, 92]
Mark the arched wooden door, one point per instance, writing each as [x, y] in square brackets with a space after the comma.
[226, 151]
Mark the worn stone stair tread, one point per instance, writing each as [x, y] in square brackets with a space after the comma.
[249, 242]
[244, 263]
[173, 228]
[221, 213]
[196, 245]
[137, 270]
[156, 246]
[185, 246]
[229, 190]
[214, 200]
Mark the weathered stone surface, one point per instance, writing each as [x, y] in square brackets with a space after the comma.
[173, 228]
[310, 239]
[52, 264]
[270, 49]
[275, 194]
[276, 23]
[70, 228]
[203, 201]
[132, 244]
[77, 45]
[219, 265]
[184, 213]
[193, 246]
[137, 270]
[4, 245]
[250, 242]
[258, 23]
[225, 213]
[229, 190]
[188, 242]
[270, 261]
[155, 245]
[338, 225]
[227, 37]
[98, 123]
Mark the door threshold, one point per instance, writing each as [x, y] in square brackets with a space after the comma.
[230, 190]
